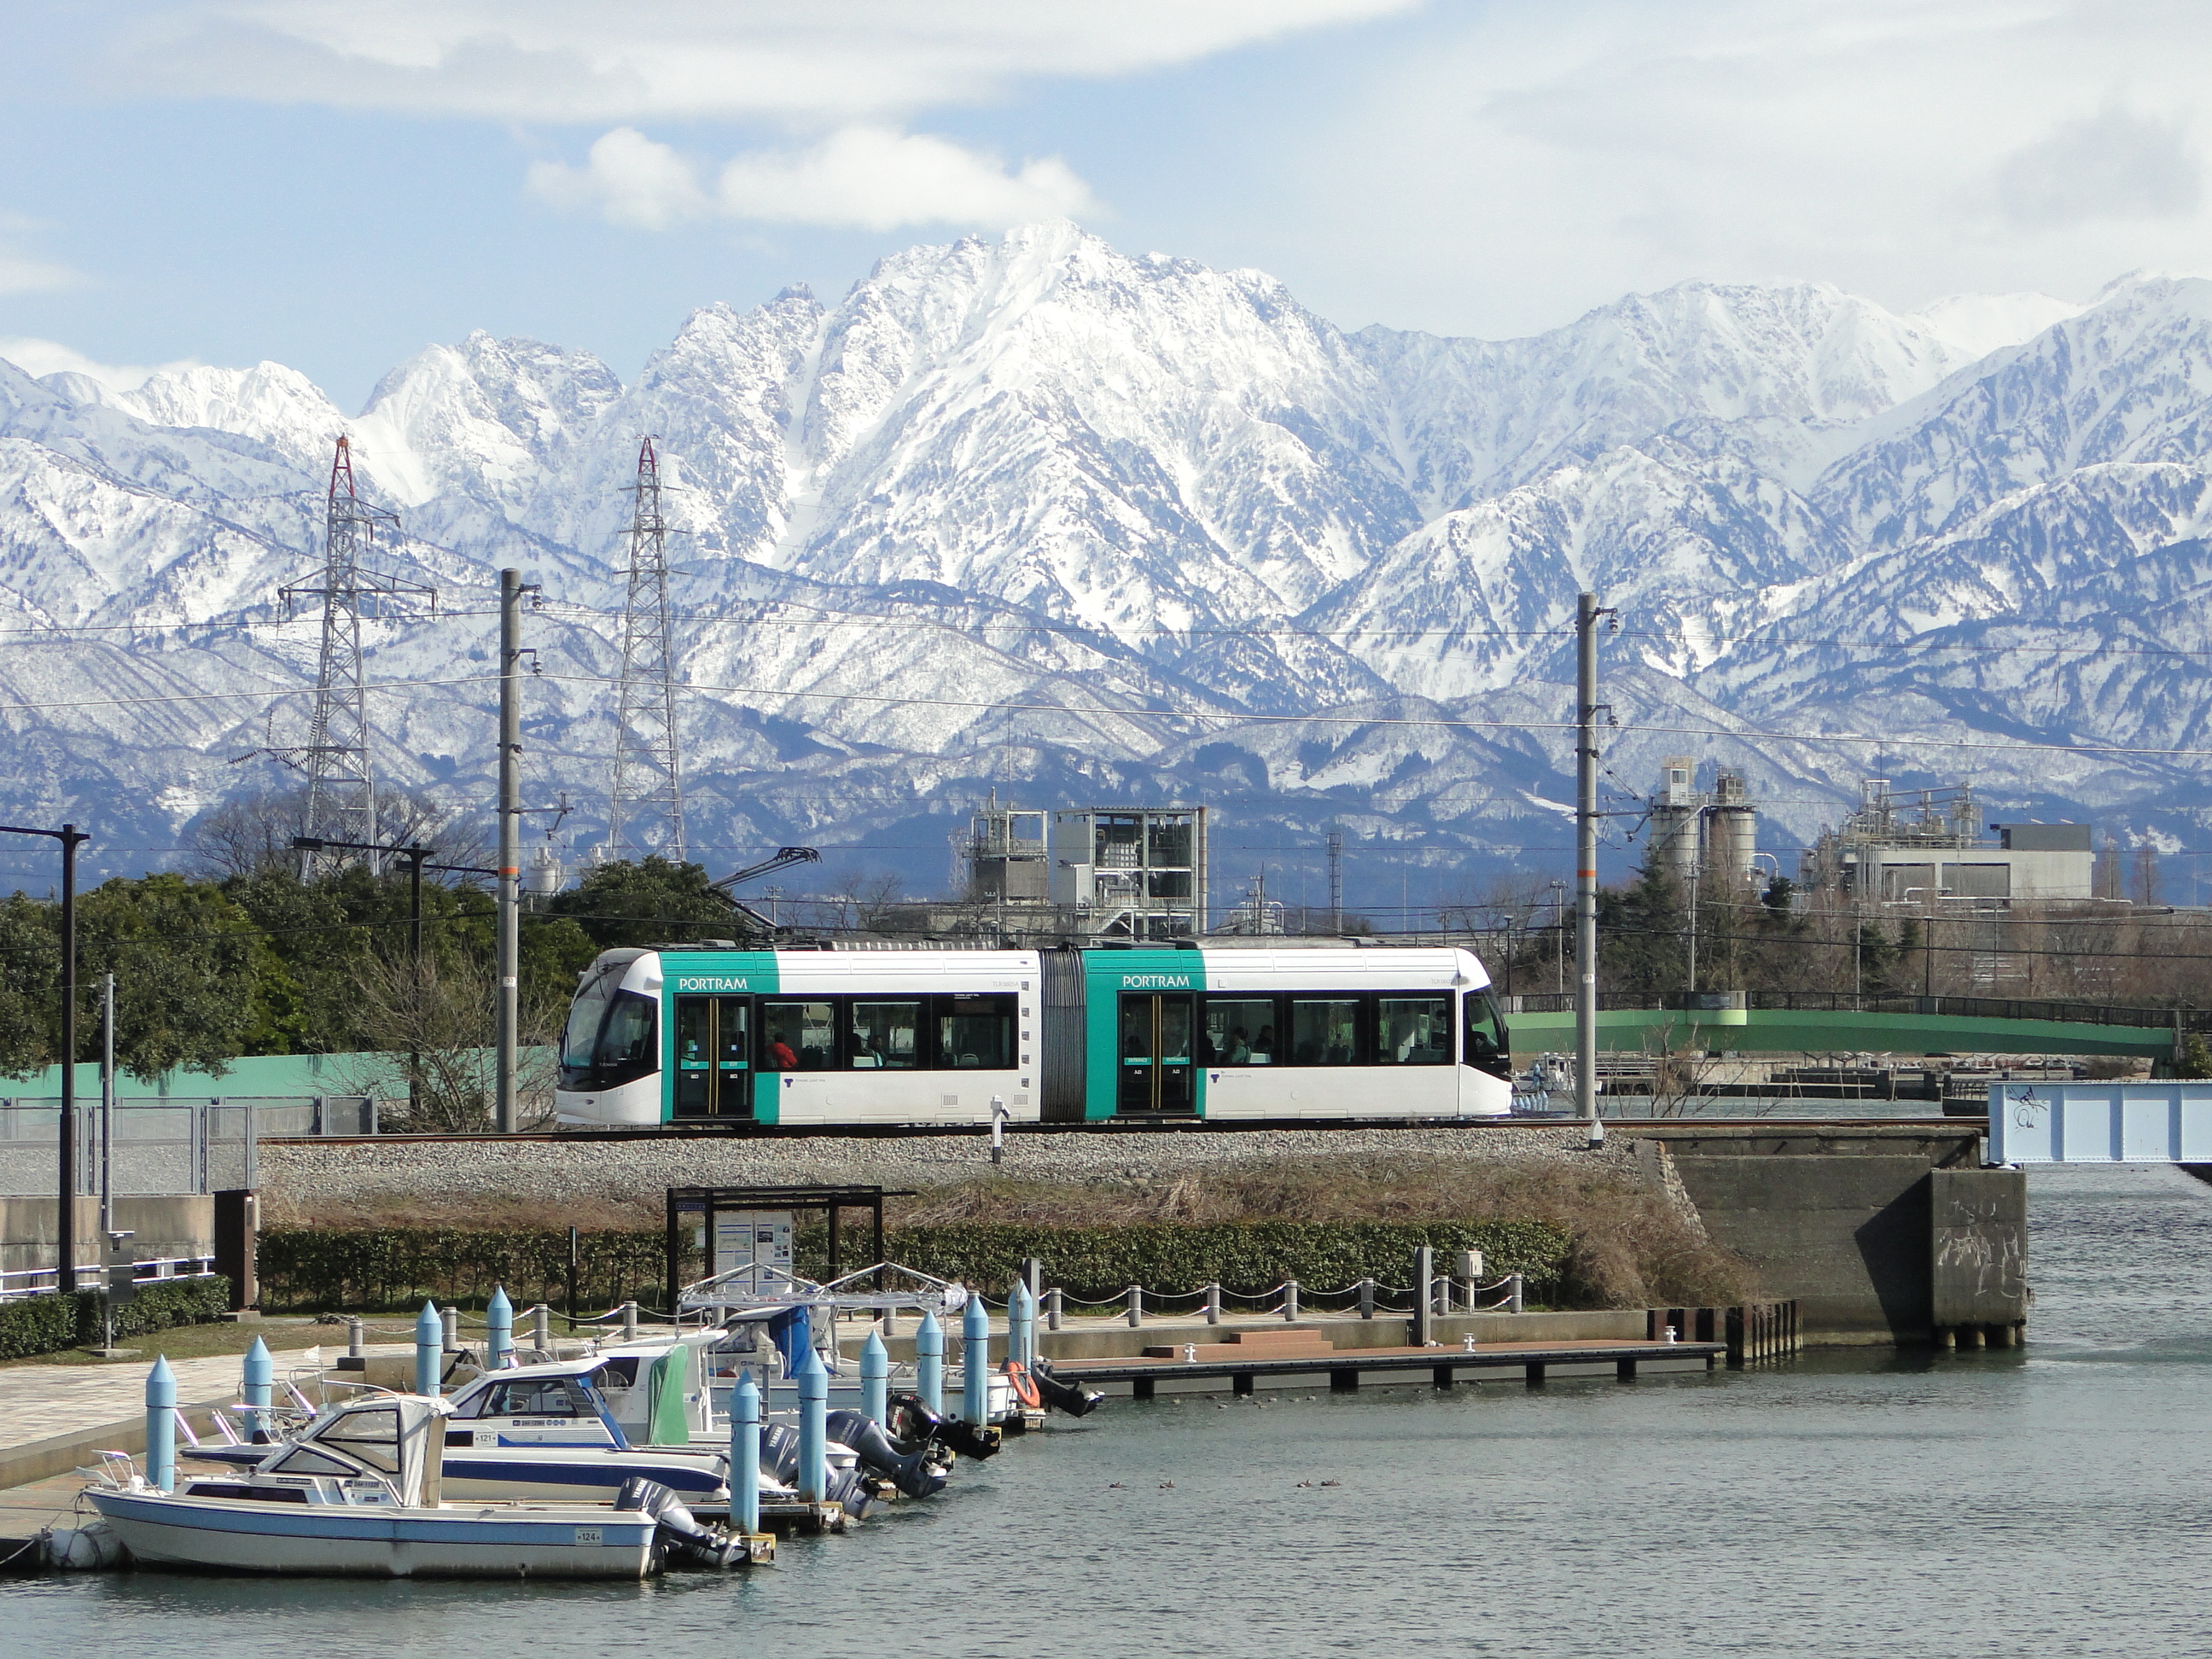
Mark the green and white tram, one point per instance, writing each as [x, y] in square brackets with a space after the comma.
[920, 1036]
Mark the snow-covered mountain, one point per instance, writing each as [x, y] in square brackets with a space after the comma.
[1033, 513]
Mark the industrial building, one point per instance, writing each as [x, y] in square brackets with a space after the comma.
[1136, 873]
[1697, 833]
[1925, 848]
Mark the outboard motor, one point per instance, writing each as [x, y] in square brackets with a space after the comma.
[912, 1473]
[850, 1487]
[780, 1452]
[676, 1527]
[1075, 1400]
[920, 1425]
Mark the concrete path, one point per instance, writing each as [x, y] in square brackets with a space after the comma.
[55, 1417]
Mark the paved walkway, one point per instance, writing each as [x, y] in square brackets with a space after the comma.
[40, 1401]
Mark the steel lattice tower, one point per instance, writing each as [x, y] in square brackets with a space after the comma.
[341, 783]
[647, 776]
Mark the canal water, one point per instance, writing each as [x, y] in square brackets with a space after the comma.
[2053, 1501]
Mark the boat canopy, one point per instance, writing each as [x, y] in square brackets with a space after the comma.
[396, 1438]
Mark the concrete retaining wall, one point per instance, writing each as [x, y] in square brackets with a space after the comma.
[1883, 1235]
[159, 1227]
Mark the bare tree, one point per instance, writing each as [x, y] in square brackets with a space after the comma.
[247, 835]
[436, 1033]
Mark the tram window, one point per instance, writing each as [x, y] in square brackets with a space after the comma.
[1325, 1033]
[798, 1036]
[885, 1036]
[976, 1032]
[1240, 1030]
[626, 1048]
[1486, 1044]
[1412, 1031]
[581, 1037]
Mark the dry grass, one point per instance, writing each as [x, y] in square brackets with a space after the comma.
[1628, 1247]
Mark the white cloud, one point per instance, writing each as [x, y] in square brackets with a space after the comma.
[2113, 165]
[586, 61]
[40, 357]
[626, 176]
[1528, 163]
[866, 176]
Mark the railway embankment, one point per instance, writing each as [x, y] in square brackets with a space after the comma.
[1884, 1234]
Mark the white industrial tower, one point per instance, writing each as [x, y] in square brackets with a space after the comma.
[341, 783]
[646, 774]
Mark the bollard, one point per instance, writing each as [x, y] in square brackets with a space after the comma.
[429, 1341]
[1367, 1299]
[745, 1453]
[813, 1428]
[356, 1344]
[541, 1329]
[258, 1388]
[1424, 1293]
[976, 1363]
[449, 1321]
[1213, 1303]
[1021, 1324]
[997, 1129]
[498, 1336]
[1052, 1309]
[875, 1381]
[161, 1425]
[929, 1364]
[1514, 1305]
[1290, 1298]
[1136, 1305]
[629, 1321]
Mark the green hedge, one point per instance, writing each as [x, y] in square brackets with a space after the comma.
[324, 1268]
[399, 1266]
[1244, 1257]
[47, 1324]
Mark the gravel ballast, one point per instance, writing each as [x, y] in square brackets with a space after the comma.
[307, 1181]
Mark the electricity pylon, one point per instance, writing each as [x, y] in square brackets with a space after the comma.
[341, 782]
[647, 776]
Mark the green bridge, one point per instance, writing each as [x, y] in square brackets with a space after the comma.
[1821, 1022]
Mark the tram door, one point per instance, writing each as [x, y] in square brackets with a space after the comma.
[1157, 1075]
[713, 1057]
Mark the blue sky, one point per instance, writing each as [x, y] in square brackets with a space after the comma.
[333, 186]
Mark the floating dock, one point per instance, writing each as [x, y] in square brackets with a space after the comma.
[1291, 1358]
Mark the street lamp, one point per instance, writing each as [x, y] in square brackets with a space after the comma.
[71, 838]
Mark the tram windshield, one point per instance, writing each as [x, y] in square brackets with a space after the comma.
[611, 1038]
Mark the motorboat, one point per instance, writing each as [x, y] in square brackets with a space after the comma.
[358, 1492]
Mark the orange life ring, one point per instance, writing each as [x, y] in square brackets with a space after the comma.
[1024, 1386]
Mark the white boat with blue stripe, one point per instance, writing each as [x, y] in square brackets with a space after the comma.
[359, 1492]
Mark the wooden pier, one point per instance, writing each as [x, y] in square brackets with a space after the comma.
[1254, 1358]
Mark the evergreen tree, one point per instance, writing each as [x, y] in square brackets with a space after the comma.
[652, 902]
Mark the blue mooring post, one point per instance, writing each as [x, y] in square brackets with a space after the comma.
[929, 1364]
[430, 1349]
[258, 1388]
[745, 1453]
[976, 1363]
[875, 1381]
[499, 1317]
[813, 1428]
[161, 1425]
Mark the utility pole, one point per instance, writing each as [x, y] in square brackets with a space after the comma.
[341, 784]
[1335, 881]
[510, 857]
[1586, 706]
[647, 771]
[71, 838]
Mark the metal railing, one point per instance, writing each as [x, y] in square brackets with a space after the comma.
[1844, 1002]
[43, 1281]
